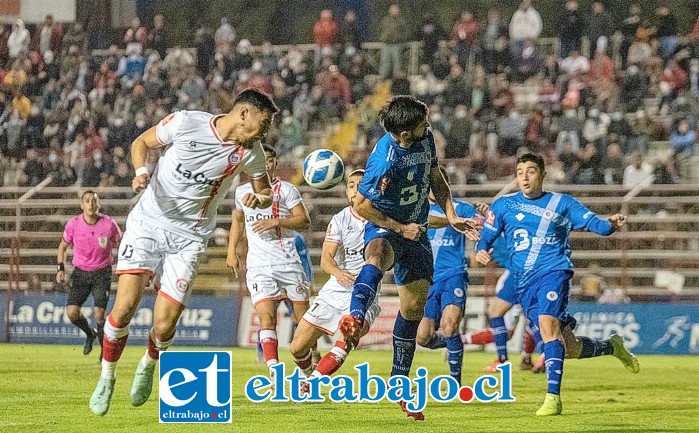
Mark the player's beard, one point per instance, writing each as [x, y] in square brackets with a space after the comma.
[415, 139]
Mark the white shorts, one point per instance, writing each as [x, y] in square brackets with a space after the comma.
[324, 314]
[152, 250]
[274, 283]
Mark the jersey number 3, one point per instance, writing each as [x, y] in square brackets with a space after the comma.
[521, 239]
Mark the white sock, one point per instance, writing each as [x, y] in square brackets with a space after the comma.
[108, 369]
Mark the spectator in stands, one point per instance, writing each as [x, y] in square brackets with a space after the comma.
[570, 128]
[18, 41]
[694, 77]
[224, 37]
[527, 63]
[550, 69]
[639, 54]
[534, 131]
[666, 32]
[672, 80]
[430, 34]
[62, 174]
[4, 50]
[463, 36]
[135, 35]
[511, 132]
[349, 32]
[571, 26]
[636, 172]
[493, 30]
[549, 96]
[599, 27]
[620, 127]
[591, 172]
[458, 136]
[123, 176]
[455, 87]
[50, 69]
[393, 31]
[570, 161]
[34, 169]
[614, 165]
[575, 64]
[336, 90]
[324, 35]
[16, 77]
[400, 85]
[34, 128]
[48, 36]
[425, 85]
[269, 60]
[75, 36]
[13, 128]
[157, 36]
[602, 70]
[132, 66]
[504, 98]
[177, 59]
[628, 29]
[289, 133]
[525, 24]
[20, 103]
[596, 126]
[682, 140]
[634, 87]
[205, 47]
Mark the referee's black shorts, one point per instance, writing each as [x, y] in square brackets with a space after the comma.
[82, 283]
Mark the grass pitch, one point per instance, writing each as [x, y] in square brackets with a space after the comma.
[47, 388]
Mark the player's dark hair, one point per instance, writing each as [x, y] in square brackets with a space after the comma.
[531, 157]
[357, 172]
[257, 99]
[88, 192]
[269, 149]
[402, 113]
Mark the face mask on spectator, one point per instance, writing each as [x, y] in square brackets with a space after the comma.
[460, 114]
[53, 157]
[118, 122]
[140, 123]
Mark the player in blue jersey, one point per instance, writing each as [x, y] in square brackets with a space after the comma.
[446, 299]
[392, 197]
[537, 225]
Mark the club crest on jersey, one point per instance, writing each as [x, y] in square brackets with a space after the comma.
[103, 241]
[234, 158]
[182, 285]
[490, 217]
[548, 214]
[301, 289]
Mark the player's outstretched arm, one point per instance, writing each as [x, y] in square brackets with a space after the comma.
[584, 219]
[234, 237]
[330, 267]
[366, 210]
[492, 228]
[61, 260]
[442, 194]
[262, 193]
[139, 154]
[618, 221]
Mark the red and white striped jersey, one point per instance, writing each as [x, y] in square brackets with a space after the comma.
[275, 246]
[194, 174]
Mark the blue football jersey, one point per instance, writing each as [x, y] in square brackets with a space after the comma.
[448, 245]
[305, 255]
[500, 254]
[397, 180]
[537, 231]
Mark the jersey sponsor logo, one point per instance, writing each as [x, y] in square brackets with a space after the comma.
[552, 295]
[459, 292]
[182, 285]
[192, 145]
[519, 216]
[258, 217]
[354, 252]
[490, 217]
[442, 242]
[199, 178]
[103, 241]
[195, 387]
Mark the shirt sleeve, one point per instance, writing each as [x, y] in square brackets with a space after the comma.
[255, 165]
[293, 197]
[238, 196]
[116, 234]
[166, 129]
[493, 226]
[374, 182]
[582, 218]
[434, 162]
[334, 231]
[436, 211]
[465, 210]
[68, 232]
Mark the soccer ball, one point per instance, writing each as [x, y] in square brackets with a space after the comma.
[323, 169]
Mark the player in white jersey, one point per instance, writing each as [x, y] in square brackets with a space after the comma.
[274, 268]
[167, 231]
[342, 257]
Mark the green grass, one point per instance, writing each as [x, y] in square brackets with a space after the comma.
[46, 389]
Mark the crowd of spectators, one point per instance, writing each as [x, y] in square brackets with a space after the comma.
[493, 90]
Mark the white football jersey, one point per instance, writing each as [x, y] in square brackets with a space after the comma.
[194, 173]
[275, 246]
[347, 229]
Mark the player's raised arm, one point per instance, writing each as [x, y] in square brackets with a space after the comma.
[364, 207]
[153, 138]
[492, 228]
[442, 195]
[584, 219]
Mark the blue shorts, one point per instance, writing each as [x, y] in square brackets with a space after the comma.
[506, 288]
[451, 290]
[546, 295]
[412, 259]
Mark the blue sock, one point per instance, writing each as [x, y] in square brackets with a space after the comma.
[593, 348]
[455, 356]
[497, 324]
[404, 332]
[554, 365]
[365, 287]
[436, 342]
